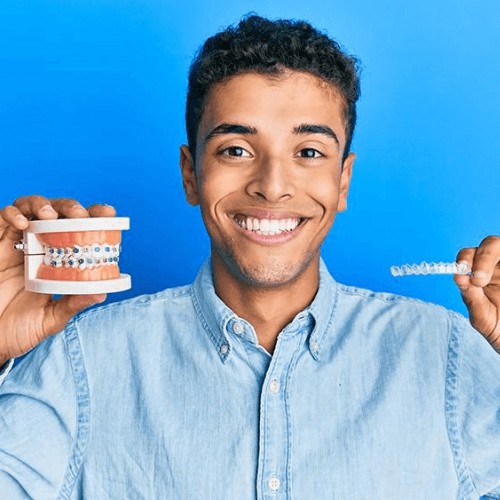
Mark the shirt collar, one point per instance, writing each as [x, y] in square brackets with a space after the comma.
[217, 318]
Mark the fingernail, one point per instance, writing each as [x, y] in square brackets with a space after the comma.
[480, 274]
[77, 207]
[20, 218]
[48, 209]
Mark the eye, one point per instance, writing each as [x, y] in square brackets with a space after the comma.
[310, 153]
[236, 151]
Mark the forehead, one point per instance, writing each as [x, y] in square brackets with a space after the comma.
[291, 97]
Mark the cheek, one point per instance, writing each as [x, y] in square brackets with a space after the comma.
[324, 189]
[216, 186]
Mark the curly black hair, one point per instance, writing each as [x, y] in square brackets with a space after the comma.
[268, 47]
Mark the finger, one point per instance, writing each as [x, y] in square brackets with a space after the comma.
[12, 225]
[495, 279]
[69, 208]
[493, 294]
[59, 312]
[464, 255]
[486, 260]
[482, 312]
[467, 255]
[35, 206]
[12, 216]
[101, 210]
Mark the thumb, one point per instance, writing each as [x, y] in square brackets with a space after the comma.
[482, 312]
[62, 310]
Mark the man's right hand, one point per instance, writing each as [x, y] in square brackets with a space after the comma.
[27, 318]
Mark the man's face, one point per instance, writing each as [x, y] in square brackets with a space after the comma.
[268, 174]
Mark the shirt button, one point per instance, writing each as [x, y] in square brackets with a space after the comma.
[315, 346]
[274, 386]
[238, 328]
[224, 349]
[274, 484]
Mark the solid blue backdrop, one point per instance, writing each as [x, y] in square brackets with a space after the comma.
[92, 102]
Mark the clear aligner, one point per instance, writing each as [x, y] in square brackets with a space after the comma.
[425, 268]
[82, 257]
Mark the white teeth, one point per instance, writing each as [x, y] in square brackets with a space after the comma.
[96, 251]
[82, 257]
[267, 227]
[274, 225]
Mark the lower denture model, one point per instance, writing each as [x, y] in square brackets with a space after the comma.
[74, 256]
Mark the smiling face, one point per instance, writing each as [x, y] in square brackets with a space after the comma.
[269, 176]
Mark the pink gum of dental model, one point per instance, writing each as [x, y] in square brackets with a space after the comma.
[74, 256]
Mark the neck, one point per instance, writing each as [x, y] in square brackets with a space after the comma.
[267, 309]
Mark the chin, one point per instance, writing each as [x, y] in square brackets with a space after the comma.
[274, 272]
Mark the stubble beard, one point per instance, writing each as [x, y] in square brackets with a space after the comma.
[272, 274]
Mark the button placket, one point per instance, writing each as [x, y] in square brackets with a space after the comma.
[274, 483]
[274, 386]
[275, 438]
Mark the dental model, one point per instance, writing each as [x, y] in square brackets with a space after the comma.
[74, 256]
[431, 268]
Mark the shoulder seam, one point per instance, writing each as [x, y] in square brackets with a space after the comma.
[141, 300]
[384, 296]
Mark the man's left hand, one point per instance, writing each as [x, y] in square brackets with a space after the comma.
[481, 290]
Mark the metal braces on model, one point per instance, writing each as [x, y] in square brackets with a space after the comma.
[425, 268]
[82, 257]
[74, 256]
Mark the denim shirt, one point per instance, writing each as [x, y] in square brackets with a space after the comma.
[169, 396]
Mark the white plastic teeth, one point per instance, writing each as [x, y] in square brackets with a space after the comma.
[267, 227]
[82, 257]
[431, 268]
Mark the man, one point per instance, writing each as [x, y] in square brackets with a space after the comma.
[265, 378]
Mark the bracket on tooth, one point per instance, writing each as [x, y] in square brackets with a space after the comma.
[35, 253]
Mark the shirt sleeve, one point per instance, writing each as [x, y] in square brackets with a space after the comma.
[38, 419]
[474, 405]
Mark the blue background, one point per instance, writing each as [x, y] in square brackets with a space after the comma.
[92, 104]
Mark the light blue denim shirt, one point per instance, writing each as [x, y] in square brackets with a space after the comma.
[169, 396]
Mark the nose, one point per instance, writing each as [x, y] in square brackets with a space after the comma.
[272, 181]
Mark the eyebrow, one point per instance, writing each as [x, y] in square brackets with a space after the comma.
[304, 128]
[309, 128]
[230, 128]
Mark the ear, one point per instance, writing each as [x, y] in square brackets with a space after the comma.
[345, 181]
[189, 180]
